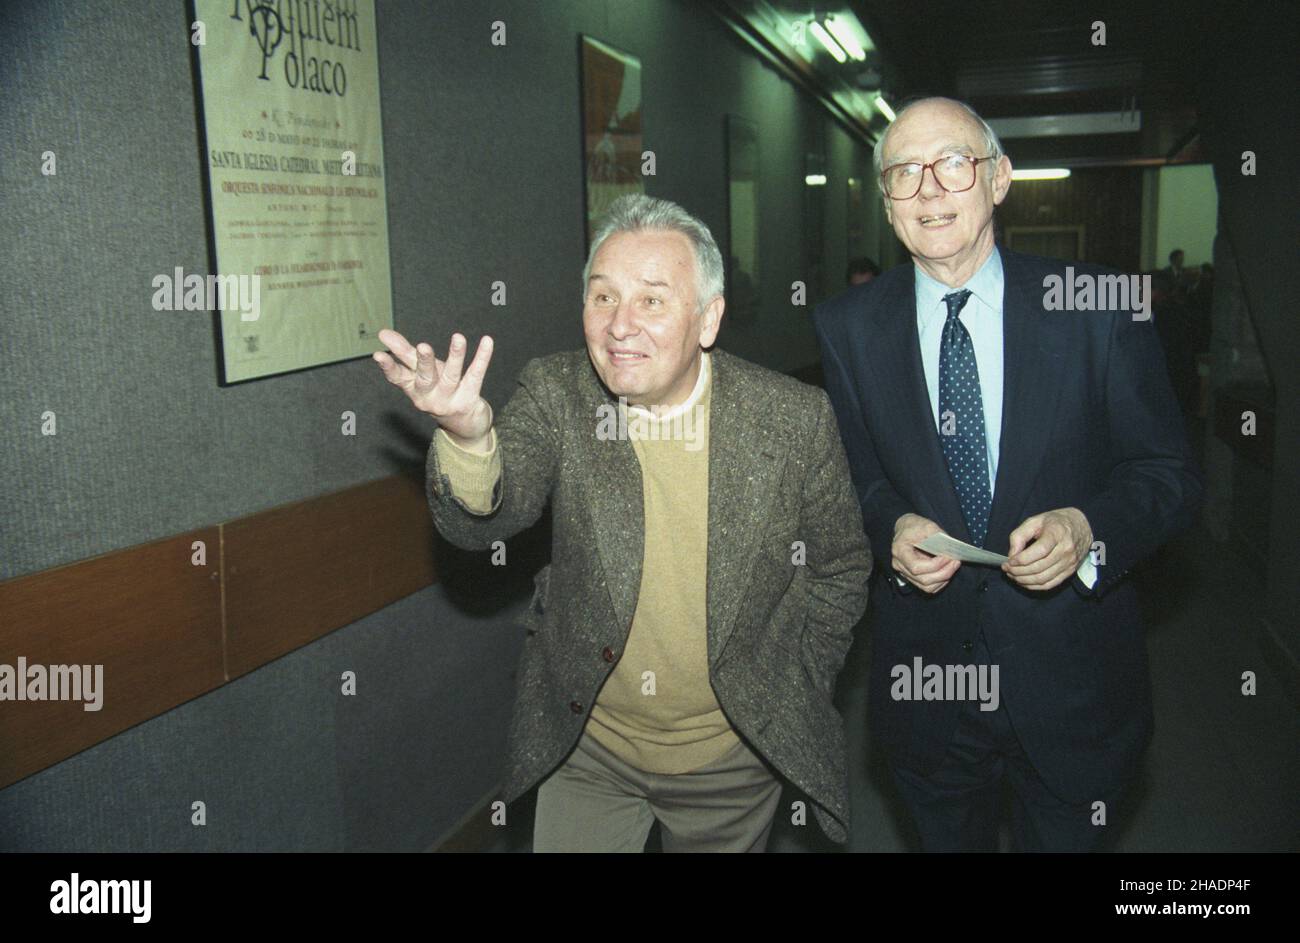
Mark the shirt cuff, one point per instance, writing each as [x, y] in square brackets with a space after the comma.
[473, 475]
[1087, 572]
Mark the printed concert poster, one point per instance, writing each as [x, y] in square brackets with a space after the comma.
[611, 126]
[294, 148]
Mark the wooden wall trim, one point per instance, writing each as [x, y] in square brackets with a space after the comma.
[298, 572]
[167, 628]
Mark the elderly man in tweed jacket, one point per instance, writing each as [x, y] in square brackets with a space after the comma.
[708, 560]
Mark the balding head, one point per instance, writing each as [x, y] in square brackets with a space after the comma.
[947, 230]
[992, 144]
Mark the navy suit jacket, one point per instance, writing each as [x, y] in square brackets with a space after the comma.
[1089, 421]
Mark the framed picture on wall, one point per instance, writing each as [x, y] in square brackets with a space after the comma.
[742, 220]
[294, 165]
[611, 126]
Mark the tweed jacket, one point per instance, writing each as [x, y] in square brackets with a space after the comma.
[780, 613]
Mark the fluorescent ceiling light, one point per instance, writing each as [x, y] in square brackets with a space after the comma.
[843, 34]
[825, 39]
[815, 180]
[1046, 173]
[882, 106]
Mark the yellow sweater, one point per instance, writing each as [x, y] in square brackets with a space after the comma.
[657, 710]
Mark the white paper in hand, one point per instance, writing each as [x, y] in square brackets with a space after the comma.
[959, 550]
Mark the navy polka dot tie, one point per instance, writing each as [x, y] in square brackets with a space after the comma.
[961, 420]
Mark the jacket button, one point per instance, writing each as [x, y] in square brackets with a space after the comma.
[967, 646]
[983, 586]
[575, 707]
[607, 654]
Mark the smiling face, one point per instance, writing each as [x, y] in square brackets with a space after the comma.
[948, 234]
[642, 323]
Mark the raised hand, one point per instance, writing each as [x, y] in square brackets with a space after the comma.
[437, 387]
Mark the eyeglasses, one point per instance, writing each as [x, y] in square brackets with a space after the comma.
[955, 173]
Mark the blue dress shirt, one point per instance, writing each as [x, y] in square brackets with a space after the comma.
[982, 318]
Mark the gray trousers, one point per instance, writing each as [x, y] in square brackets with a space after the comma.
[596, 802]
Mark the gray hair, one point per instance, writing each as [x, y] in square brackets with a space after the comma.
[991, 141]
[640, 213]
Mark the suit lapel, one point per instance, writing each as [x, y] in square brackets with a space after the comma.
[900, 363]
[616, 501]
[746, 461]
[746, 452]
[1030, 391]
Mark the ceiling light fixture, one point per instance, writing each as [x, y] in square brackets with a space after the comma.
[843, 34]
[828, 41]
[1045, 173]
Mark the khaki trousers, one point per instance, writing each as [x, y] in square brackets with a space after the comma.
[596, 802]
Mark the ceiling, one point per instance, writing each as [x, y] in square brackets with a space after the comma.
[1015, 59]
[1023, 58]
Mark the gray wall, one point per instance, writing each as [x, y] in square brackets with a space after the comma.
[483, 172]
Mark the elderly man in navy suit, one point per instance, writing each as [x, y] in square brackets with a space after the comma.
[972, 406]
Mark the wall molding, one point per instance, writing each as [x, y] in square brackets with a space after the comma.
[167, 629]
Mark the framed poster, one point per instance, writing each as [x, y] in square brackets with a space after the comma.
[294, 159]
[742, 220]
[611, 127]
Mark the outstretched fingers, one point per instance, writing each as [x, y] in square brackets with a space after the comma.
[455, 362]
[402, 351]
[400, 358]
[478, 367]
[427, 369]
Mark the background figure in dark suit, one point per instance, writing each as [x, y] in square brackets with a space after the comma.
[1175, 268]
[1179, 332]
[970, 404]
